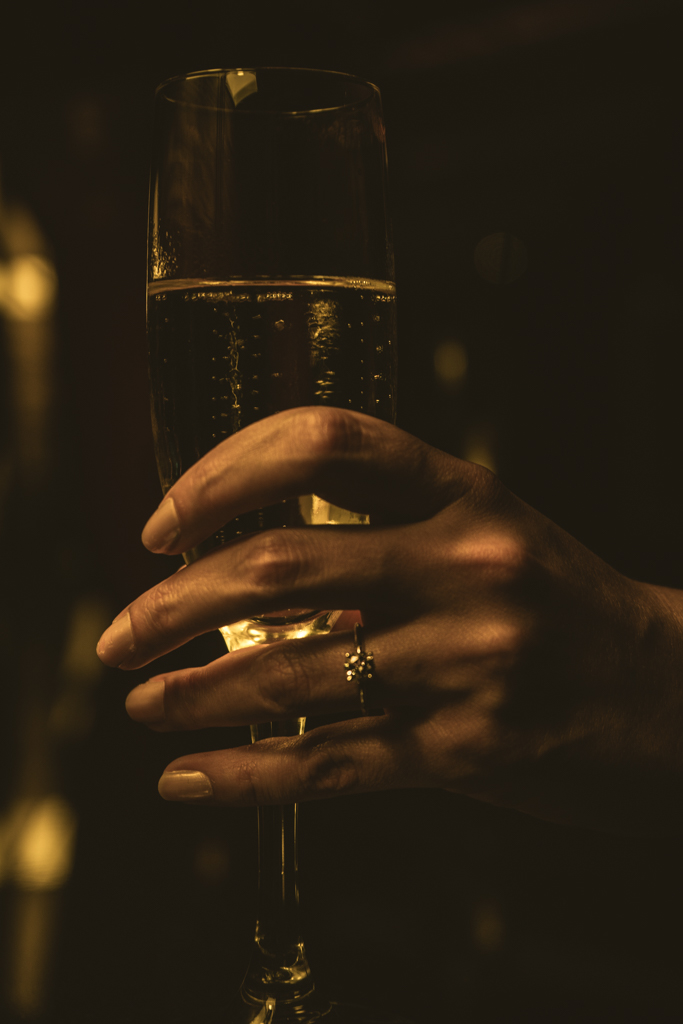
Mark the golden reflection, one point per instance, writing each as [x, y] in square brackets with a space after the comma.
[43, 849]
[36, 853]
[324, 333]
[240, 85]
[73, 711]
[28, 291]
[28, 287]
[479, 447]
[450, 364]
[318, 512]
[33, 937]
[36, 843]
[38, 827]
[11, 825]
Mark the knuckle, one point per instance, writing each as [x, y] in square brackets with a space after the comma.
[514, 645]
[205, 478]
[201, 487]
[249, 781]
[522, 636]
[488, 496]
[500, 642]
[327, 771]
[273, 563]
[331, 432]
[504, 559]
[510, 645]
[485, 490]
[160, 609]
[182, 709]
[509, 559]
[482, 478]
[284, 685]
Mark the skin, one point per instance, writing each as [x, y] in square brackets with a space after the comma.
[512, 664]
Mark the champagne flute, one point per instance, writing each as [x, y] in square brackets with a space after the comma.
[270, 286]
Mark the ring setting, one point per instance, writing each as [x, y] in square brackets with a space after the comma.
[360, 666]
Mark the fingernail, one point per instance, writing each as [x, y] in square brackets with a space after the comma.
[121, 614]
[116, 643]
[146, 702]
[162, 528]
[185, 786]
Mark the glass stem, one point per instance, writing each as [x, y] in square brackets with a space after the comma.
[279, 967]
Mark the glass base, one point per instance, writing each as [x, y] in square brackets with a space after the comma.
[268, 629]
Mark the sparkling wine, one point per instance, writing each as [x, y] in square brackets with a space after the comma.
[224, 354]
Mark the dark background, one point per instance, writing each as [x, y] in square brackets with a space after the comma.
[552, 126]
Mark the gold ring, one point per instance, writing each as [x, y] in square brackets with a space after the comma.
[360, 666]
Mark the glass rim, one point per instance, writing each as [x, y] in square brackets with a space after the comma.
[373, 93]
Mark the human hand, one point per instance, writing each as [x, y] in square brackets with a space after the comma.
[511, 663]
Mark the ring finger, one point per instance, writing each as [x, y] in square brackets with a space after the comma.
[276, 682]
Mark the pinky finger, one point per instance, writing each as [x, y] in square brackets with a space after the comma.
[357, 756]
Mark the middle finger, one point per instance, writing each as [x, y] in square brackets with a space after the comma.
[321, 567]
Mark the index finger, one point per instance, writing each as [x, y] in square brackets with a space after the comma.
[347, 458]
